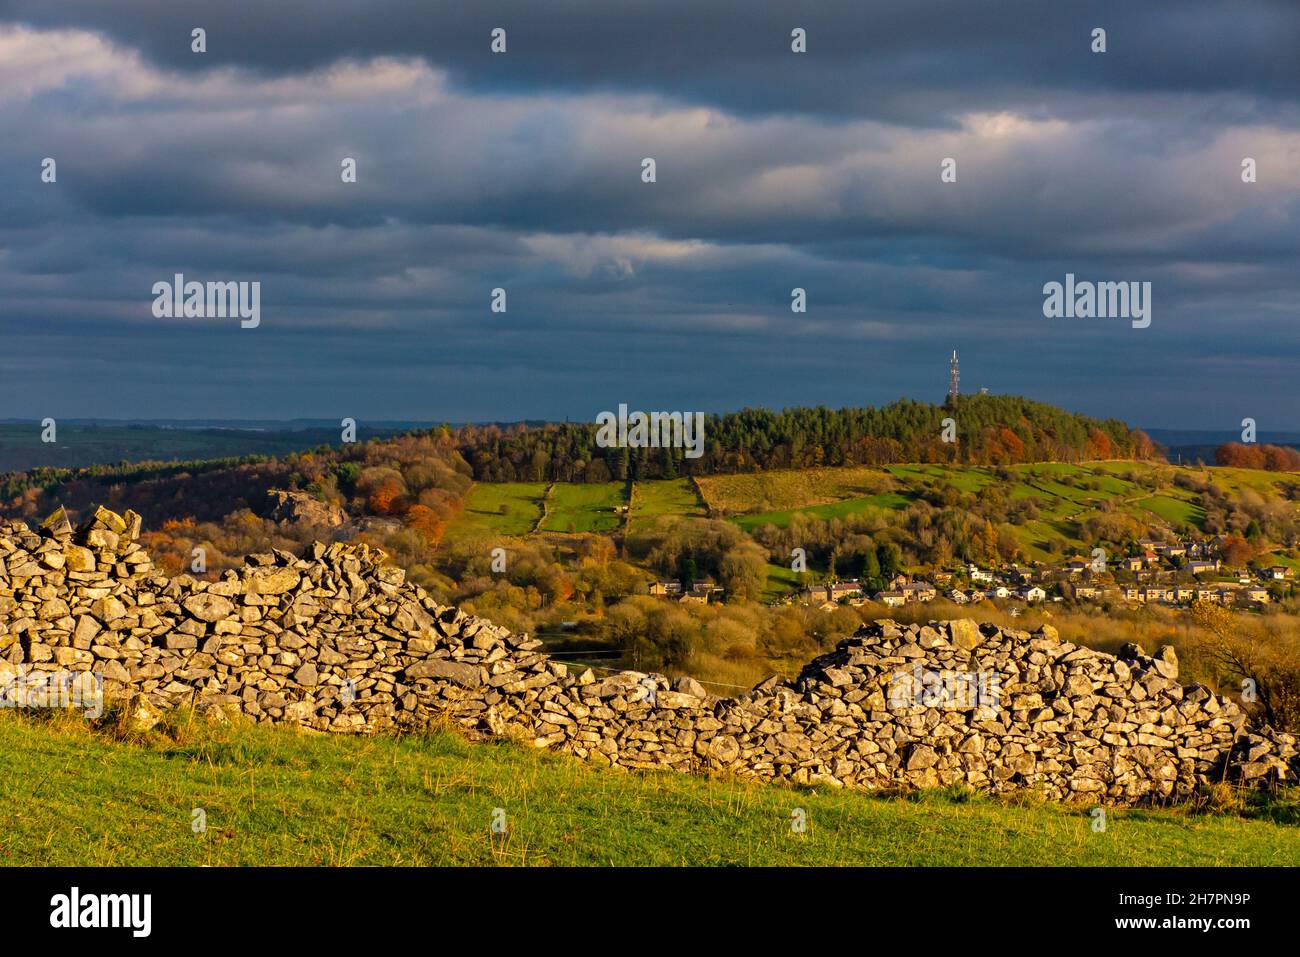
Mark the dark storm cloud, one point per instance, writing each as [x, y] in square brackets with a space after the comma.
[522, 171]
[909, 61]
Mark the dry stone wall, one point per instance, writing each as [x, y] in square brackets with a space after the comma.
[337, 641]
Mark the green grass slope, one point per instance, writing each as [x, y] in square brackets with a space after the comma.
[585, 508]
[1067, 495]
[73, 796]
[659, 497]
[500, 508]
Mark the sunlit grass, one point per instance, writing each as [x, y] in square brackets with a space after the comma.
[71, 795]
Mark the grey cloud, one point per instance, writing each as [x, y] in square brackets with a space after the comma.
[907, 61]
[522, 171]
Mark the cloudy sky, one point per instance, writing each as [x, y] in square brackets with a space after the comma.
[522, 170]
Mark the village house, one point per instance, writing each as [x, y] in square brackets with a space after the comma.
[958, 597]
[977, 574]
[847, 589]
[1134, 563]
[1086, 591]
[832, 592]
[1278, 573]
[1032, 594]
[702, 593]
[666, 589]
[1020, 575]
[919, 591]
[1133, 593]
[1202, 567]
[894, 599]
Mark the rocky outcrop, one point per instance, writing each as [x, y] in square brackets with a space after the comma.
[337, 641]
[300, 508]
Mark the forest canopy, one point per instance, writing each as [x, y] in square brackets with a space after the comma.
[990, 430]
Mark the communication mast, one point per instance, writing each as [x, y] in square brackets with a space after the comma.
[953, 377]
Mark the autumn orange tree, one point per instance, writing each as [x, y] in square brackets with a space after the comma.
[1099, 445]
[1270, 662]
[1236, 551]
[1275, 458]
[425, 521]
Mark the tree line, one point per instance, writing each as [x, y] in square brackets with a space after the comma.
[988, 430]
[1273, 458]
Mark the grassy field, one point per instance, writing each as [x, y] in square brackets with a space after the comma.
[963, 478]
[584, 508]
[1066, 496]
[783, 490]
[1172, 509]
[500, 508]
[852, 506]
[577, 508]
[664, 497]
[73, 796]
[782, 580]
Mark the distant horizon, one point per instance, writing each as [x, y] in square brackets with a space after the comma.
[247, 424]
